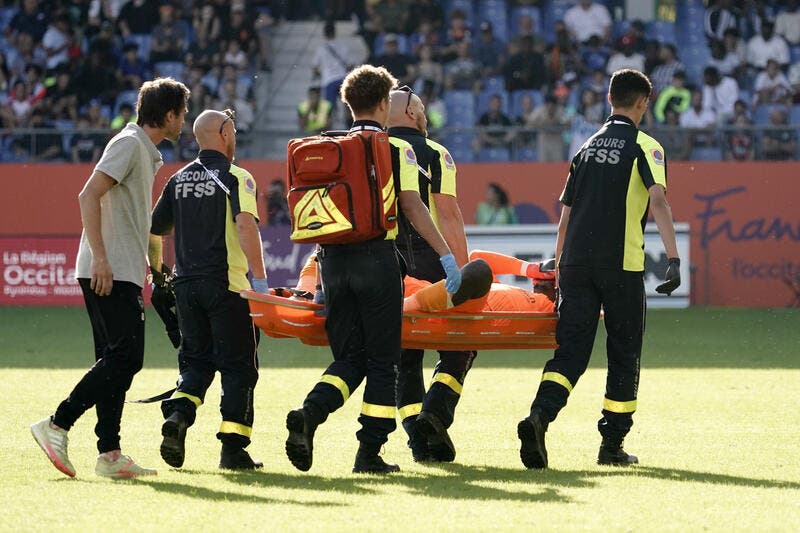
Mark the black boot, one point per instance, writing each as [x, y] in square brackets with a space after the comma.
[236, 458]
[611, 453]
[300, 443]
[172, 446]
[530, 431]
[369, 462]
[439, 443]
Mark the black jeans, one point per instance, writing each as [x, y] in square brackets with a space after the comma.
[450, 370]
[217, 334]
[118, 331]
[582, 291]
[364, 301]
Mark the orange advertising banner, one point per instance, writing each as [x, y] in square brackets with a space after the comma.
[744, 217]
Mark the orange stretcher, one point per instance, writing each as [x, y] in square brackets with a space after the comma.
[284, 316]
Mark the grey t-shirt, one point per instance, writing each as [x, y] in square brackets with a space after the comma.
[132, 160]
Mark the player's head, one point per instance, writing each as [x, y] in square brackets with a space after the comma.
[366, 91]
[629, 93]
[406, 109]
[162, 104]
[216, 130]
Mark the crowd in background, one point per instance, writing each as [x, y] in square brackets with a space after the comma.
[526, 78]
[540, 87]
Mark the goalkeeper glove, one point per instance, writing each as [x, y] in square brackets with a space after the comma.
[163, 300]
[672, 279]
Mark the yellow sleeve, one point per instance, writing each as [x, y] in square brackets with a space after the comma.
[247, 193]
[404, 165]
[445, 183]
[653, 162]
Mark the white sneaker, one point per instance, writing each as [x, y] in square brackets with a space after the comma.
[53, 441]
[123, 467]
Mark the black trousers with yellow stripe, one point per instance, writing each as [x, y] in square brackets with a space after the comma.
[217, 334]
[582, 291]
[363, 286]
[451, 368]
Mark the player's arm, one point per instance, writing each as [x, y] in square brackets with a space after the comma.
[662, 214]
[243, 204]
[451, 226]
[652, 166]
[98, 184]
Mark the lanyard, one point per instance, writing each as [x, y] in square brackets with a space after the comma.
[214, 177]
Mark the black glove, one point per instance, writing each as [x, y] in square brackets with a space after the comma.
[672, 279]
[163, 300]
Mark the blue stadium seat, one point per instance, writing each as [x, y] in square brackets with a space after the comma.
[794, 115]
[402, 44]
[494, 83]
[761, 113]
[143, 42]
[460, 147]
[553, 12]
[171, 69]
[516, 99]
[66, 127]
[486, 94]
[794, 54]
[463, 5]
[526, 154]
[706, 154]
[494, 154]
[496, 12]
[662, 31]
[619, 28]
[533, 12]
[528, 213]
[696, 60]
[460, 108]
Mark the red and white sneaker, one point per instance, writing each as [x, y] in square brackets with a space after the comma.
[53, 442]
[124, 467]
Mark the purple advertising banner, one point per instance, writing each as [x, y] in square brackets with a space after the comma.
[283, 259]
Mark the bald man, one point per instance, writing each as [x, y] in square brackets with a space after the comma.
[426, 416]
[211, 205]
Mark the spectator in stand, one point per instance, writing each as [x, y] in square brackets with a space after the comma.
[495, 209]
[18, 108]
[425, 36]
[794, 81]
[719, 93]
[457, 32]
[31, 19]
[787, 24]
[588, 18]
[673, 138]
[592, 107]
[525, 26]
[61, 98]
[740, 110]
[598, 82]
[662, 75]
[136, 17]
[206, 22]
[524, 138]
[719, 18]
[772, 86]
[235, 56]
[429, 70]
[780, 139]
[435, 110]
[400, 65]
[313, 113]
[594, 56]
[56, 41]
[132, 70]
[494, 126]
[428, 12]
[626, 57]
[204, 54]
[549, 119]
[561, 54]
[277, 205]
[699, 120]
[767, 46]
[739, 145]
[463, 73]
[241, 27]
[525, 68]
[43, 147]
[675, 96]
[489, 51]
[85, 146]
[107, 44]
[168, 39]
[331, 62]
[23, 54]
[228, 98]
[96, 80]
[5, 77]
[390, 16]
[735, 45]
[124, 116]
[727, 63]
[95, 116]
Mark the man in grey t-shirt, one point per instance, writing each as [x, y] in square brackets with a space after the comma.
[115, 208]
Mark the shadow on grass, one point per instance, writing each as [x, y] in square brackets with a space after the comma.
[204, 493]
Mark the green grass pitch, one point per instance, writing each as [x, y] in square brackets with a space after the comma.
[717, 435]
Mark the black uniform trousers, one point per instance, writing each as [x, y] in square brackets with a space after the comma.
[582, 291]
[450, 370]
[217, 334]
[118, 331]
[363, 284]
